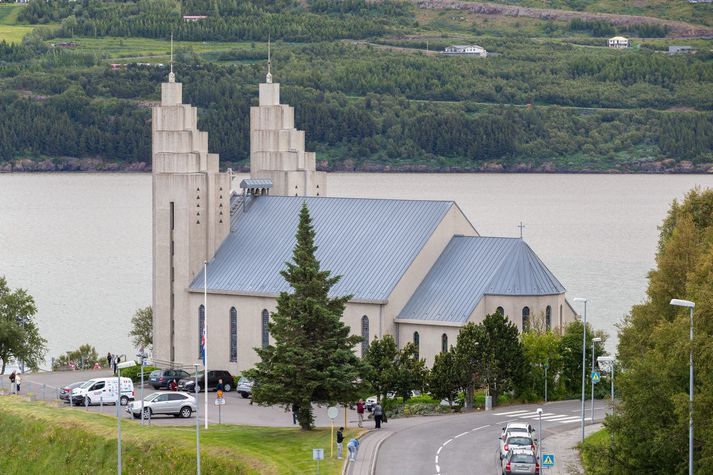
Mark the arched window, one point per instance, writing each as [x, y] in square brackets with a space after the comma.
[560, 318]
[364, 335]
[416, 341]
[444, 343]
[201, 326]
[548, 318]
[233, 335]
[501, 311]
[265, 328]
[525, 318]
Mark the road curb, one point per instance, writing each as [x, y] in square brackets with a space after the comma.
[372, 469]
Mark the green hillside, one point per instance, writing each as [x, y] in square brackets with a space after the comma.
[368, 83]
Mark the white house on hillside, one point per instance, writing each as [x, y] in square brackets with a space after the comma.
[469, 50]
[618, 42]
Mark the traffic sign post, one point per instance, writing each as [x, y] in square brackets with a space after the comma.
[548, 460]
[220, 402]
[596, 376]
[317, 454]
[332, 412]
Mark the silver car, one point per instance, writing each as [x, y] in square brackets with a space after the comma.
[178, 404]
[515, 441]
[520, 462]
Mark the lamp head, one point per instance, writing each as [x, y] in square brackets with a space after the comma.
[579, 299]
[126, 364]
[596, 340]
[539, 410]
[682, 303]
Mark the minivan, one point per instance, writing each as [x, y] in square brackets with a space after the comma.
[103, 391]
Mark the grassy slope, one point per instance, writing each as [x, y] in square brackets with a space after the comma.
[9, 30]
[37, 438]
[594, 446]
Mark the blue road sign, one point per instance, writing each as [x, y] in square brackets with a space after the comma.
[548, 460]
[596, 376]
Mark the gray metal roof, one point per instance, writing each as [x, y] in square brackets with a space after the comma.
[471, 267]
[369, 242]
[256, 183]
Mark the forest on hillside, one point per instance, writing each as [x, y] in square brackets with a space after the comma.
[536, 105]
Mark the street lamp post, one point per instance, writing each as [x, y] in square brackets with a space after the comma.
[690, 305]
[142, 354]
[609, 364]
[547, 365]
[119, 367]
[584, 356]
[539, 438]
[594, 340]
[198, 431]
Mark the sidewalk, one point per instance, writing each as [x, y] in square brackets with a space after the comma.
[564, 448]
[368, 450]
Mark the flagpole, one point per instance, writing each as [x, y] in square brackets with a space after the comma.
[205, 340]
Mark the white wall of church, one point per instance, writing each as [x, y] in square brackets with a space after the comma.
[430, 338]
[537, 305]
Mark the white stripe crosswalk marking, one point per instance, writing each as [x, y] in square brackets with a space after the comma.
[555, 418]
[537, 416]
[508, 413]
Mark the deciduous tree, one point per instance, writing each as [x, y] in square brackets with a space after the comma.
[19, 336]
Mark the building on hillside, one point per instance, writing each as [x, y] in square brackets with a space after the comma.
[681, 50]
[466, 50]
[618, 42]
[416, 269]
[194, 18]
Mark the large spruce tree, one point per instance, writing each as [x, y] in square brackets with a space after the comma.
[312, 360]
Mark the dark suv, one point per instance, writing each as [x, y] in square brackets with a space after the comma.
[161, 377]
[188, 384]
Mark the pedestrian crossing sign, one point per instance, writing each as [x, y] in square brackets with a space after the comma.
[596, 376]
[548, 460]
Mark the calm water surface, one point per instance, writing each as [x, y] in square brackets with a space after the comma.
[81, 243]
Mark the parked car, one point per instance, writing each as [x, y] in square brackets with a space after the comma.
[520, 462]
[178, 404]
[65, 393]
[245, 387]
[188, 384]
[161, 377]
[104, 391]
[370, 403]
[516, 427]
[517, 440]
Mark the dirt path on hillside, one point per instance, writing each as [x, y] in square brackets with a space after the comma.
[676, 28]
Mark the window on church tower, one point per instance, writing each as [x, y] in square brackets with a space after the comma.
[501, 311]
[265, 328]
[548, 318]
[416, 341]
[233, 335]
[201, 326]
[444, 343]
[560, 317]
[525, 318]
[364, 335]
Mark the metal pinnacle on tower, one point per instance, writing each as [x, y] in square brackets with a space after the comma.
[268, 78]
[171, 76]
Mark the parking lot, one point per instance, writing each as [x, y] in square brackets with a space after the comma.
[236, 409]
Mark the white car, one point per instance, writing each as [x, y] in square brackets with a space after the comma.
[517, 441]
[516, 427]
[175, 403]
[103, 391]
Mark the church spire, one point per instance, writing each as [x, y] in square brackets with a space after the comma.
[171, 76]
[268, 78]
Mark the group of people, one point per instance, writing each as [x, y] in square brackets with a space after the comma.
[112, 361]
[15, 381]
[352, 445]
[379, 415]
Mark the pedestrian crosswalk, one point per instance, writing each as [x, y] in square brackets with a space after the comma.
[546, 416]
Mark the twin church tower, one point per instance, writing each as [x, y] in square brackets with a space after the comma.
[191, 197]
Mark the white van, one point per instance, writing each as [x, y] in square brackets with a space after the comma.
[103, 391]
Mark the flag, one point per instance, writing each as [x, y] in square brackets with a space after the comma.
[203, 346]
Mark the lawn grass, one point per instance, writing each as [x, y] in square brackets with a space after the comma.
[14, 33]
[9, 13]
[594, 453]
[39, 438]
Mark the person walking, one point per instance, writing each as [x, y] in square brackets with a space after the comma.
[12, 382]
[219, 386]
[360, 411]
[295, 410]
[18, 381]
[108, 360]
[113, 363]
[353, 447]
[378, 414]
[340, 442]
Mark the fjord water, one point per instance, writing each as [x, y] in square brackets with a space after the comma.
[81, 243]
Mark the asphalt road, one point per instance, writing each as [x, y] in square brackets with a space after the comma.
[468, 443]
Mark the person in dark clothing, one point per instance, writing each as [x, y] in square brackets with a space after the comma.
[295, 410]
[108, 360]
[340, 442]
[378, 415]
[219, 386]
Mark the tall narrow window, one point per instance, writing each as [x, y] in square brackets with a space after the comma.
[416, 341]
[501, 311]
[444, 343]
[233, 335]
[265, 328]
[201, 326]
[364, 335]
[525, 318]
[560, 318]
[548, 318]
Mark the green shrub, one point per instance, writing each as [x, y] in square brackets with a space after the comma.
[135, 372]
[422, 399]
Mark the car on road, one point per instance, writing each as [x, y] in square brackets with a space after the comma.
[178, 404]
[104, 391]
[370, 403]
[520, 462]
[517, 440]
[188, 384]
[516, 427]
[245, 387]
[160, 378]
[65, 393]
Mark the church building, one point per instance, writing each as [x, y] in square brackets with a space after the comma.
[417, 270]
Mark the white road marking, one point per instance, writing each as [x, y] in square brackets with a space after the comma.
[447, 442]
[555, 418]
[537, 416]
[438, 452]
[460, 435]
[438, 469]
[508, 413]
